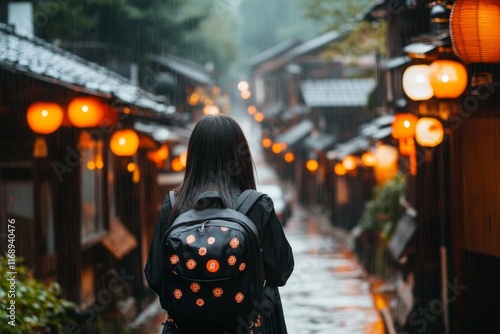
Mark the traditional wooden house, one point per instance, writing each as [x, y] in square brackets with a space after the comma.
[78, 174]
[453, 258]
[338, 108]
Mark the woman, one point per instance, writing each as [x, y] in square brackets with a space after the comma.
[219, 159]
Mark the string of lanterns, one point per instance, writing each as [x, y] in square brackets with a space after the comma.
[44, 118]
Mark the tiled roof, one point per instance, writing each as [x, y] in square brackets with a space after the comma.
[314, 44]
[319, 141]
[162, 133]
[337, 92]
[352, 146]
[36, 58]
[190, 70]
[273, 52]
[379, 128]
[295, 134]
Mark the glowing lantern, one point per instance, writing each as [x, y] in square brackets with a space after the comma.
[266, 142]
[403, 126]
[448, 78]
[312, 165]
[159, 156]
[278, 148]
[131, 166]
[350, 163]
[387, 163]
[474, 30]
[243, 85]
[44, 117]
[252, 110]
[259, 117]
[124, 142]
[429, 132]
[177, 164]
[416, 83]
[85, 112]
[339, 169]
[289, 157]
[245, 95]
[162, 152]
[368, 159]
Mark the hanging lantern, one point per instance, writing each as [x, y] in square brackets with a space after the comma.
[416, 83]
[448, 78]
[339, 169]
[387, 163]
[124, 142]
[159, 156]
[176, 164]
[44, 117]
[403, 126]
[429, 132]
[252, 110]
[368, 159]
[85, 112]
[350, 163]
[277, 148]
[312, 165]
[267, 142]
[289, 157]
[475, 30]
[259, 117]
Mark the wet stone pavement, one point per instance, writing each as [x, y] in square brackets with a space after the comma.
[327, 292]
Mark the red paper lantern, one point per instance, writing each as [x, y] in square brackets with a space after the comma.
[124, 142]
[403, 126]
[475, 30]
[448, 78]
[85, 112]
[44, 117]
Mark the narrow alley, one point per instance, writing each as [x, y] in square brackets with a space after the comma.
[328, 292]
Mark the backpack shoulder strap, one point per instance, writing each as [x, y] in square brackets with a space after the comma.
[171, 195]
[247, 199]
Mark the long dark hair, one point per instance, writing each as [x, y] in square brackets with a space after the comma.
[218, 158]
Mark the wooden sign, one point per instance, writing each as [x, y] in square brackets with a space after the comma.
[404, 231]
[119, 240]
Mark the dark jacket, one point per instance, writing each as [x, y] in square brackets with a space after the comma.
[277, 257]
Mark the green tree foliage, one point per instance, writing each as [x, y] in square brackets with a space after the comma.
[345, 16]
[384, 211]
[265, 24]
[38, 308]
[134, 28]
[214, 42]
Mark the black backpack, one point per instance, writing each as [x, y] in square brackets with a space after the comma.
[214, 263]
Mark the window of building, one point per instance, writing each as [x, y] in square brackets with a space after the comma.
[92, 188]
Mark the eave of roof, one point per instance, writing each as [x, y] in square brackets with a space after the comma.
[273, 52]
[43, 61]
[314, 44]
[189, 70]
[337, 92]
[296, 133]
